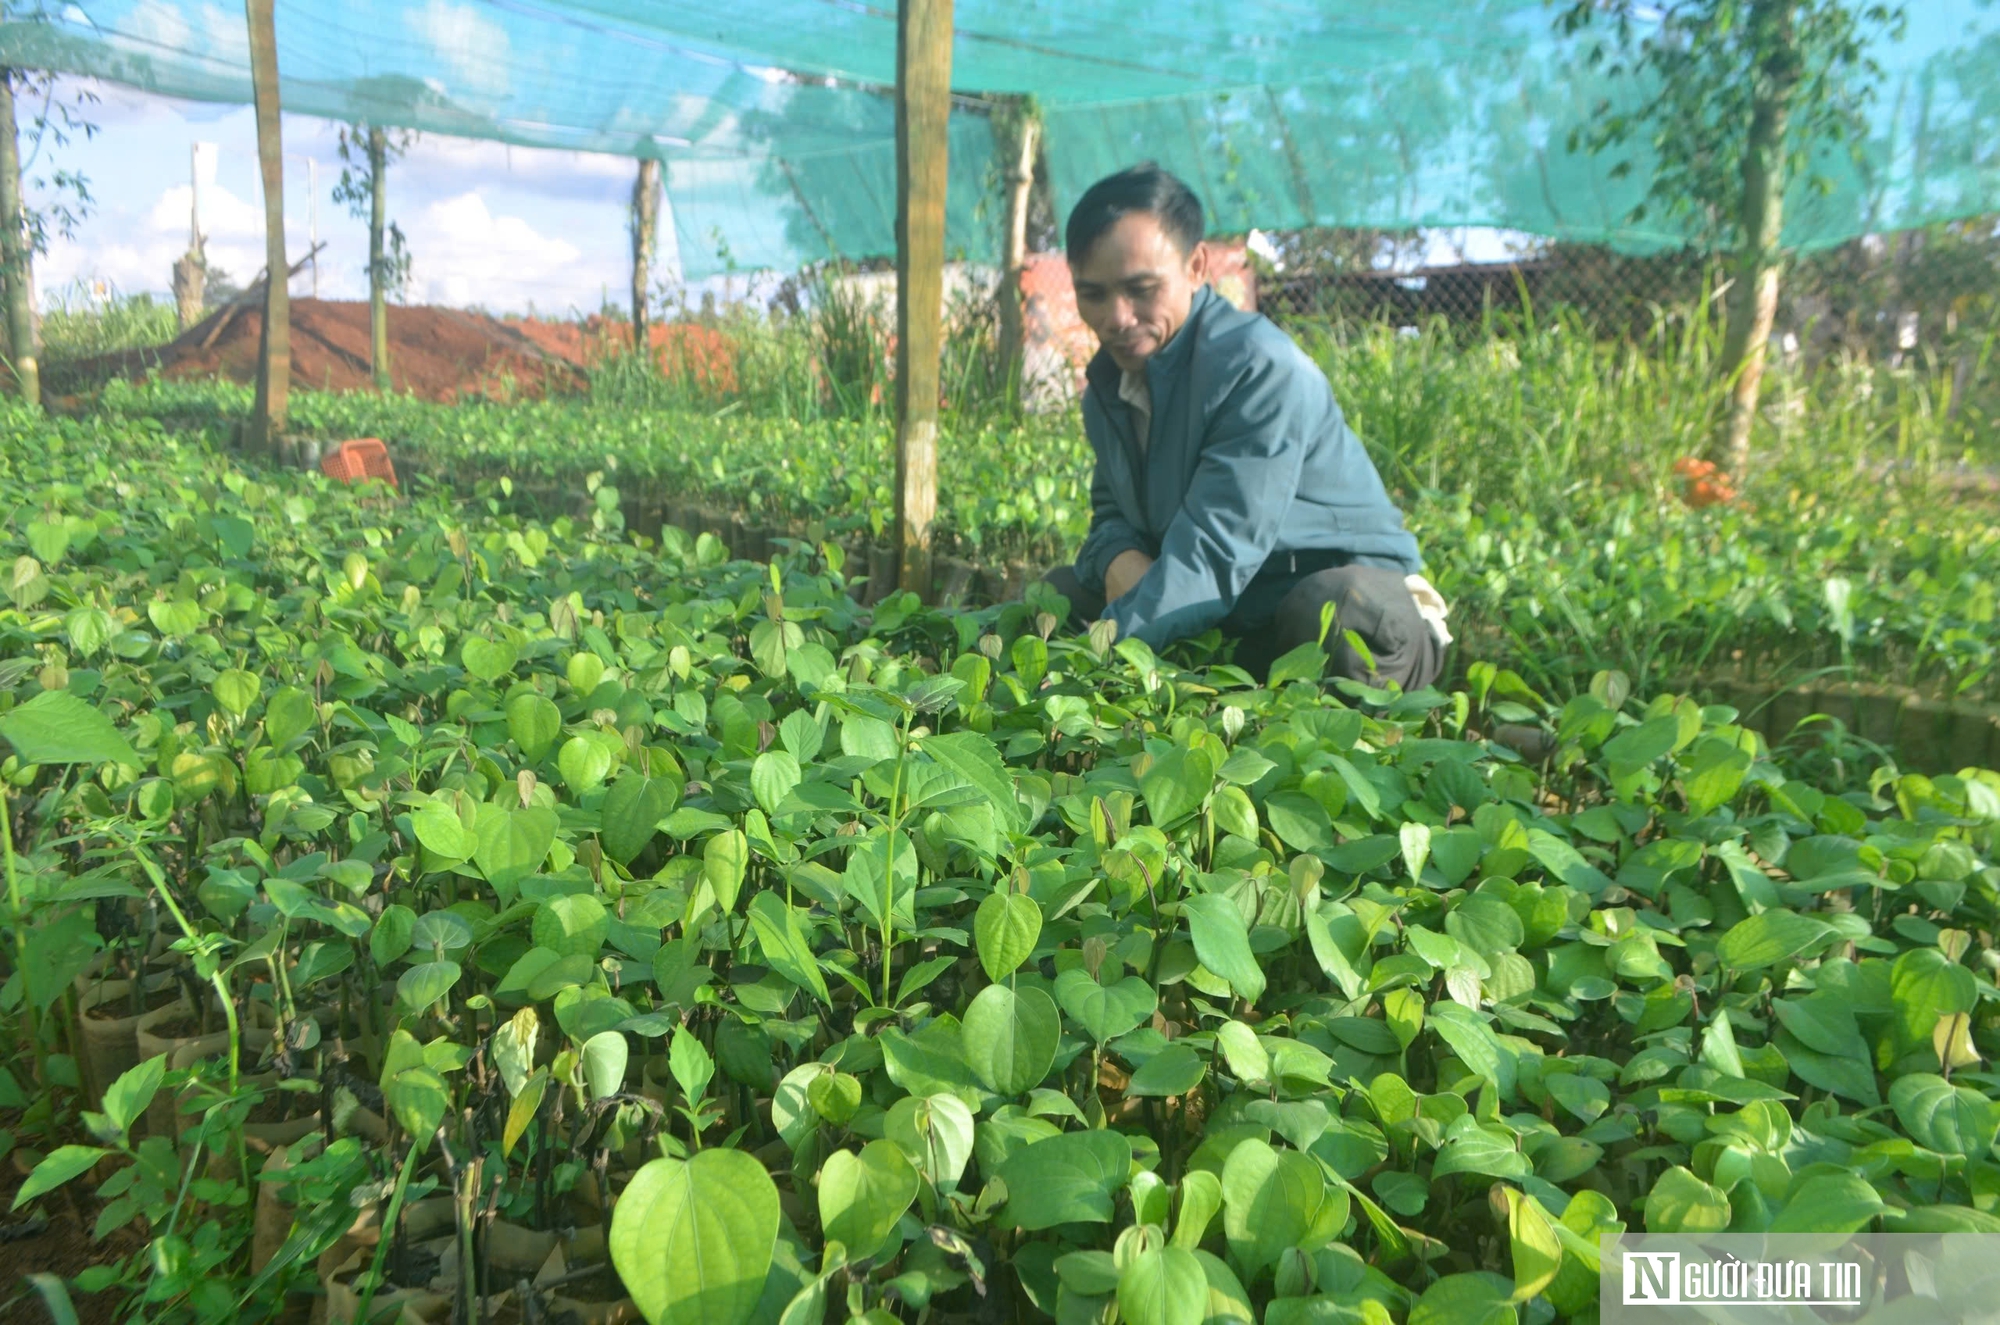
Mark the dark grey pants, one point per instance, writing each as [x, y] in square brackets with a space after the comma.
[1279, 612]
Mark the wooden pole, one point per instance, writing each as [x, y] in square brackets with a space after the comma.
[645, 233]
[274, 358]
[378, 272]
[923, 113]
[16, 255]
[1014, 254]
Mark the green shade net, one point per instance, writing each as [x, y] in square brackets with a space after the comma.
[1339, 113]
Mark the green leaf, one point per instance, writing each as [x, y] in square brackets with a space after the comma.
[1105, 1012]
[689, 1061]
[487, 659]
[1829, 1203]
[419, 1099]
[584, 763]
[1009, 1037]
[1273, 1200]
[1637, 747]
[1952, 1120]
[1177, 784]
[1924, 986]
[631, 814]
[1538, 1253]
[128, 1096]
[862, 1196]
[56, 727]
[1466, 1299]
[604, 1058]
[438, 827]
[977, 760]
[48, 538]
[236, 690]
[1470, 1147]
[1769, 937]
[1175, 1070]
[573, 925]
[1222, 942]
[426, 983]
[772, 776]
[514, 1049]
[1065, 1179]
[1005, 929]
[288, 713]
[939, 1131]
[1415, 839]
[1201, 1197]
[787, 944]
[527, 1101]
[1163, 1286]
[1717, 775]
[692, 1240]
[1682, 1203]
[57, 1168]
[725, 860]
[534, 722]
[512, 844]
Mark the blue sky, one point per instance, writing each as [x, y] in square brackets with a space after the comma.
[489, 225]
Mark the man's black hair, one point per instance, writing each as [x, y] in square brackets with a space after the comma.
[1141, 188]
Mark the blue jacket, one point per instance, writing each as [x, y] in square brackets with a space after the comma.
[1248, 456]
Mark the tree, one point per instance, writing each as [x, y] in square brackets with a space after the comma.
[645, 233]
[1739, 97]
[25, 229]
[365, 153]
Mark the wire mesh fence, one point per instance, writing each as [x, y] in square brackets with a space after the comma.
[1932, 293]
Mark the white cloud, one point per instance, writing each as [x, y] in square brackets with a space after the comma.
[461, 253]
[159, 28]
[472, 47]
[152, 23]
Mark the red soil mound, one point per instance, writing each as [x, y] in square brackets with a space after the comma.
[436, 353]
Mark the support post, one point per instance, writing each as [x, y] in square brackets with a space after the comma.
[274, 358]
[378, 272]
[645, 236]
[16, 255]
[1021, 151]
[923, 113]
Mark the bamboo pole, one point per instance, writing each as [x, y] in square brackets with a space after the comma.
[16, 254]
[274, 358]
[645, 237]
[923, 112]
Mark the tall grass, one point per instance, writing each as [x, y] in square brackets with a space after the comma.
[80, 321]
[826, 354]
[1536, 413]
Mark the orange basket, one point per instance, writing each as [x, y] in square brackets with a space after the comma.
[364, 457]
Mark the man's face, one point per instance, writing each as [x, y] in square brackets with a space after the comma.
[1134, 287]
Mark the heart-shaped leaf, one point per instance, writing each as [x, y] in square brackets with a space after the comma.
[692, 1240]
[1005, 929]
[862, 1196]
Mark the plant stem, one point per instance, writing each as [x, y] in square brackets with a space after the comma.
[889, 858]
[394, 1213]
[20, 917]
